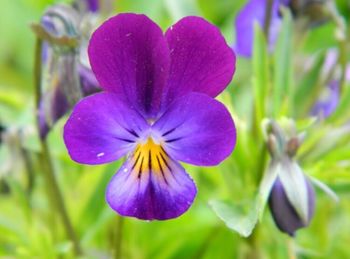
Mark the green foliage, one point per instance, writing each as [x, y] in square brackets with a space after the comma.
[285, 82]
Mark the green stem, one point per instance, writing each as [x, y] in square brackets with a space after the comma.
[341, 36]
[118, 237]
[200, 253]
[54, 192]
[253, 240]
[267, 22]
[291, 248]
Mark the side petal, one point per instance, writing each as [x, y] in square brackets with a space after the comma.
[130, 57]
[151, 186]
[197, 129]
[102, 129]
[201, 61]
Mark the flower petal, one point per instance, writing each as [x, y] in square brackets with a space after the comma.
[197, 129]
[102, 129]
[201, 61]
[130, 57]
[150, 185]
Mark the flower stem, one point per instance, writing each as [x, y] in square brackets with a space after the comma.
[200, 253]
[118, 237]
[291, 248]
[253, 240]
[341, 37]
[54, 192]
[267, 22]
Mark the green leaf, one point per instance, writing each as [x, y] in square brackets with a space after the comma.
[308, 88]
[325, 188]
[235, 216]
[342, 113]
[283, 64]
[96, 204]
[260, 74]
[181, 8]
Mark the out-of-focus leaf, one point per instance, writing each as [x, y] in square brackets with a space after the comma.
[283, 64]
[218, 11]
[235, 217]
[342, 113]
[261, 77]
[325, 188]
[181, 8]
[96, 204]
[330, 140]
[307, 91]
[21, 195]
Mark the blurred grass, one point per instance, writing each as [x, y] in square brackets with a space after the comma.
[27, 223]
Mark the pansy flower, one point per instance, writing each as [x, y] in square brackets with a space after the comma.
[157, 109]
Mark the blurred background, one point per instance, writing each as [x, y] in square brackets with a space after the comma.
[31, 228]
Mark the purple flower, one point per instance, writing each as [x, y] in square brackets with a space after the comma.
[283, 212]
[330, 97]
[158, 108]
[255, 12]
[326, 106]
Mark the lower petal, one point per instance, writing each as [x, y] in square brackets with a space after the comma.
[150, 185]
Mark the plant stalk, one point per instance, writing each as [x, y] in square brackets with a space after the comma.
[54, 192]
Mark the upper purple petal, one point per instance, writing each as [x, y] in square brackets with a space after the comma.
[255, 11]
[130, 57]
[197, 129]
[151, 186]
[201, 61]
[102, 129]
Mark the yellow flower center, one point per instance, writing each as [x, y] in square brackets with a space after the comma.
[150, 157]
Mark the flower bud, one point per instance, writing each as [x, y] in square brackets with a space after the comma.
[283, 212]
[65, 77]
[314, 11]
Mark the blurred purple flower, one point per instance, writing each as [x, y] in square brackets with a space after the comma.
[326, 106]
[158, 108]
[255, 12]
[93, 5]
[283, 212]
[329, 99]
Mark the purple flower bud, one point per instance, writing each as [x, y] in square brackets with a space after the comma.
[52, 107]
[93, 5]
[65, 79]
[85, 6]
[88, 81]
[283, 212]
